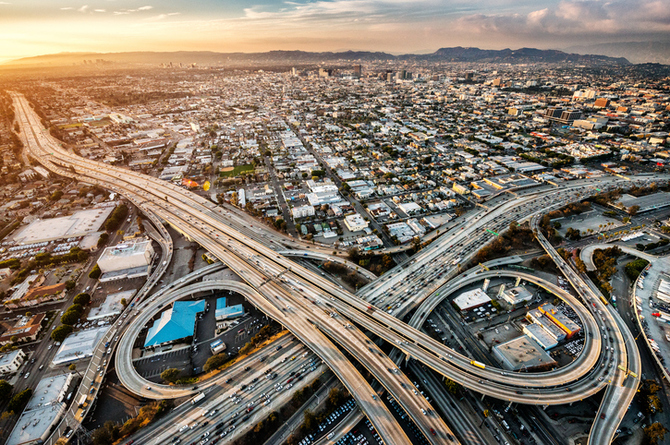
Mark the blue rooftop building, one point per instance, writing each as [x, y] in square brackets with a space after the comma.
[175, 323]
[223, 312]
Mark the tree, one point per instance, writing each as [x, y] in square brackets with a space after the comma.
[82, 299]
[107, 434]
[5, 389]
[654, 433]
[214, 362]
[73, 367]
[452, 386]
[104, 237]
[61, 332]
[20, 400]
[55, 196]
[632, 210]
[124, 302]
[70, 318]
[170, 375]
[69, 285]
[95, 272]
[573, 234]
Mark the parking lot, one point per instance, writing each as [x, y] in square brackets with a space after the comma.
[191, 357]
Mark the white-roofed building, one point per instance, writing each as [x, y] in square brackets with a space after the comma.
[472, 299]
[127, 260]
[355, 222]
[44, 410]
[12, 361]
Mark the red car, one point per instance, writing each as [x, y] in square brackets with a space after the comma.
[432, 431]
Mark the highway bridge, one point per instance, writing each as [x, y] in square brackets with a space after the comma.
[320, 313]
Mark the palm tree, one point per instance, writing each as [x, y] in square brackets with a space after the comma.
[73, 367]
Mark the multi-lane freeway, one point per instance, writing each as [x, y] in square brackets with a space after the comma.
[319, 313]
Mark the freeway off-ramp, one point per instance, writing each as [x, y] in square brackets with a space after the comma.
[296, 297]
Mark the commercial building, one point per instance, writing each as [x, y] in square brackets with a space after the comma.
[12, 361]
[355, 222]
[111, 306]
[78, 224]
[471, 299]
[174, 324]
[516, 295]
[522, 353]
[43, 412]
[224, 312]
[562, 321]
[79, 345]
[129, 260]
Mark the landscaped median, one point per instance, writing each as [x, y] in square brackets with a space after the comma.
[220, 362]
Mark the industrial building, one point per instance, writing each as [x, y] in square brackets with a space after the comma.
[647, 203]
[471, 299]
[535, 316]
[78, 224]
[562, 321]
[174, 324]
[130, 260]
[43, 412]
[516, 295]
[542, 337]
[12, 361]
[522, 353]
[224, 312]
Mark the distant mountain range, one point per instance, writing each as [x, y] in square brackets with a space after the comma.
[636, 52]
[207, 58]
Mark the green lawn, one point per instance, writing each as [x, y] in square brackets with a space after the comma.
[237, 170]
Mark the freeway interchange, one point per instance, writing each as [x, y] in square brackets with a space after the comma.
[322, 315]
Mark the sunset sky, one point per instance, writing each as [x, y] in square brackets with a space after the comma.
[34, 27]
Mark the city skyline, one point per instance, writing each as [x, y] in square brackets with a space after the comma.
[37, 27]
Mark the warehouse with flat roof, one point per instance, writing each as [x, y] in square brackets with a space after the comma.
[78, 224]
[471, 299]
[562, 321]
[522, 353]
[647, 203]
[516, 295]
[545, 323]
[44, 410]
[542, 337]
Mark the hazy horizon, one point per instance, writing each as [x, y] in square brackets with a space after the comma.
[39, 27]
